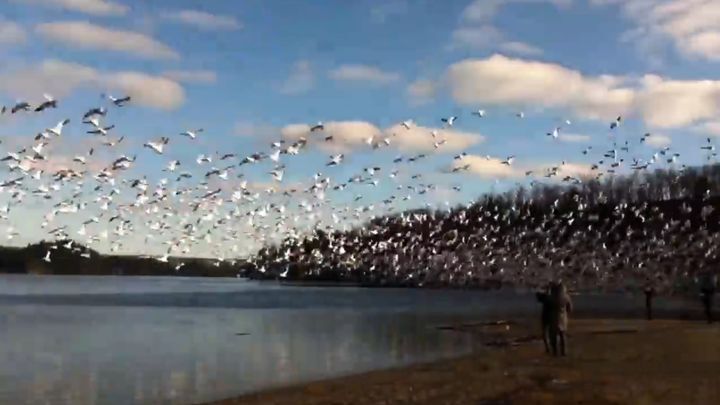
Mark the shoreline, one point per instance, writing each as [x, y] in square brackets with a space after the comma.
[610, 361]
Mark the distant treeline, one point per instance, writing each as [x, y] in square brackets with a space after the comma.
[658, 227]
[80, 260]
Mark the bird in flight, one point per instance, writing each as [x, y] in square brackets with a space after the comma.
[49, 102]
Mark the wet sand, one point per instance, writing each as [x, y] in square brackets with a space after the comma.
[609, 362]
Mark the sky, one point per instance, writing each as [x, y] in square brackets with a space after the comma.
[256, 71]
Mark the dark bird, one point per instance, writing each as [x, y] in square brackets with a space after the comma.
[49, 102]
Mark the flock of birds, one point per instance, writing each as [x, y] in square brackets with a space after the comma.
[220, 213]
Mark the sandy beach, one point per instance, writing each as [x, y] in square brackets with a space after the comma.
[609, 362]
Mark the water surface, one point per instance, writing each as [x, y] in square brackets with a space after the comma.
[146, 340]
[149, 340]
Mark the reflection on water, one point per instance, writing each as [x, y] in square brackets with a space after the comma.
[122, 354]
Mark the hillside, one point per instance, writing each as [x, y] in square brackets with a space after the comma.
[660, 227]
[80, 260]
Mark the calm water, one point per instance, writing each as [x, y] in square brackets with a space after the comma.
[124, 340]
[148, 340]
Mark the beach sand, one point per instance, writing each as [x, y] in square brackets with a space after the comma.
[609, 362]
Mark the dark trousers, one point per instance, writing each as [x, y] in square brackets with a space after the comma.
[648, 306]
[546, 336]
[557, 338]
[707, 298]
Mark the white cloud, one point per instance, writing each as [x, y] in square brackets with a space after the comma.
[253, 130]
[93, 7]
[479, 37]
[420, 138]
[350, 135]
[492, 168]
[477, 31]
[487, 167]
[84, 35]
[11, 33]
[706, 44]
[573, 137]
[691, 25]
[203, 20]
[485, 10]
[422, 91]
[658, 140]
[381, 12]
[520, 48]
[675, 103]
[489, 37]
[710, 128]
[578, 170]
[191, 76]
[301, 79]
[62, 78]
[363, 73]
[503, 81]
[500, 80]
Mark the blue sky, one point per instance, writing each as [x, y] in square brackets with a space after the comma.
[245, 71]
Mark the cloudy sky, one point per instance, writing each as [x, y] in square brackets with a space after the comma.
[251, 72]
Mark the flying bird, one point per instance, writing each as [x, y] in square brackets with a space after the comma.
[449, 121]
[157, 147]
[119, 102]
[49, 102]
[192, 134]
[20, 106]
[57, 129]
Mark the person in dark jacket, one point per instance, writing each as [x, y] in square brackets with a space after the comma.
[560, 308]
[708, 286]
[543, 298]
[649, 295]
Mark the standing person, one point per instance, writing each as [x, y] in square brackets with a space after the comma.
[708, 285]
[561, 306]
[649, 295]
[543, 298]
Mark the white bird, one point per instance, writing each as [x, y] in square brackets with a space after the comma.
[119, 102]
[555, 133]
[479, 113]
[335, 160]
[100, 130]
[449, 121]
[39, 147]
[57, 129]
[520, 114]
[407, 124]
[275, 156]
[192, 134]
[172, 165]
[47, 257]
[277, 174]
[113, 143]
[157, 146]
[509, 161]
[616, 123]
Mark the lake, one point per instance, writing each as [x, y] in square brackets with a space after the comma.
[149, 340]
